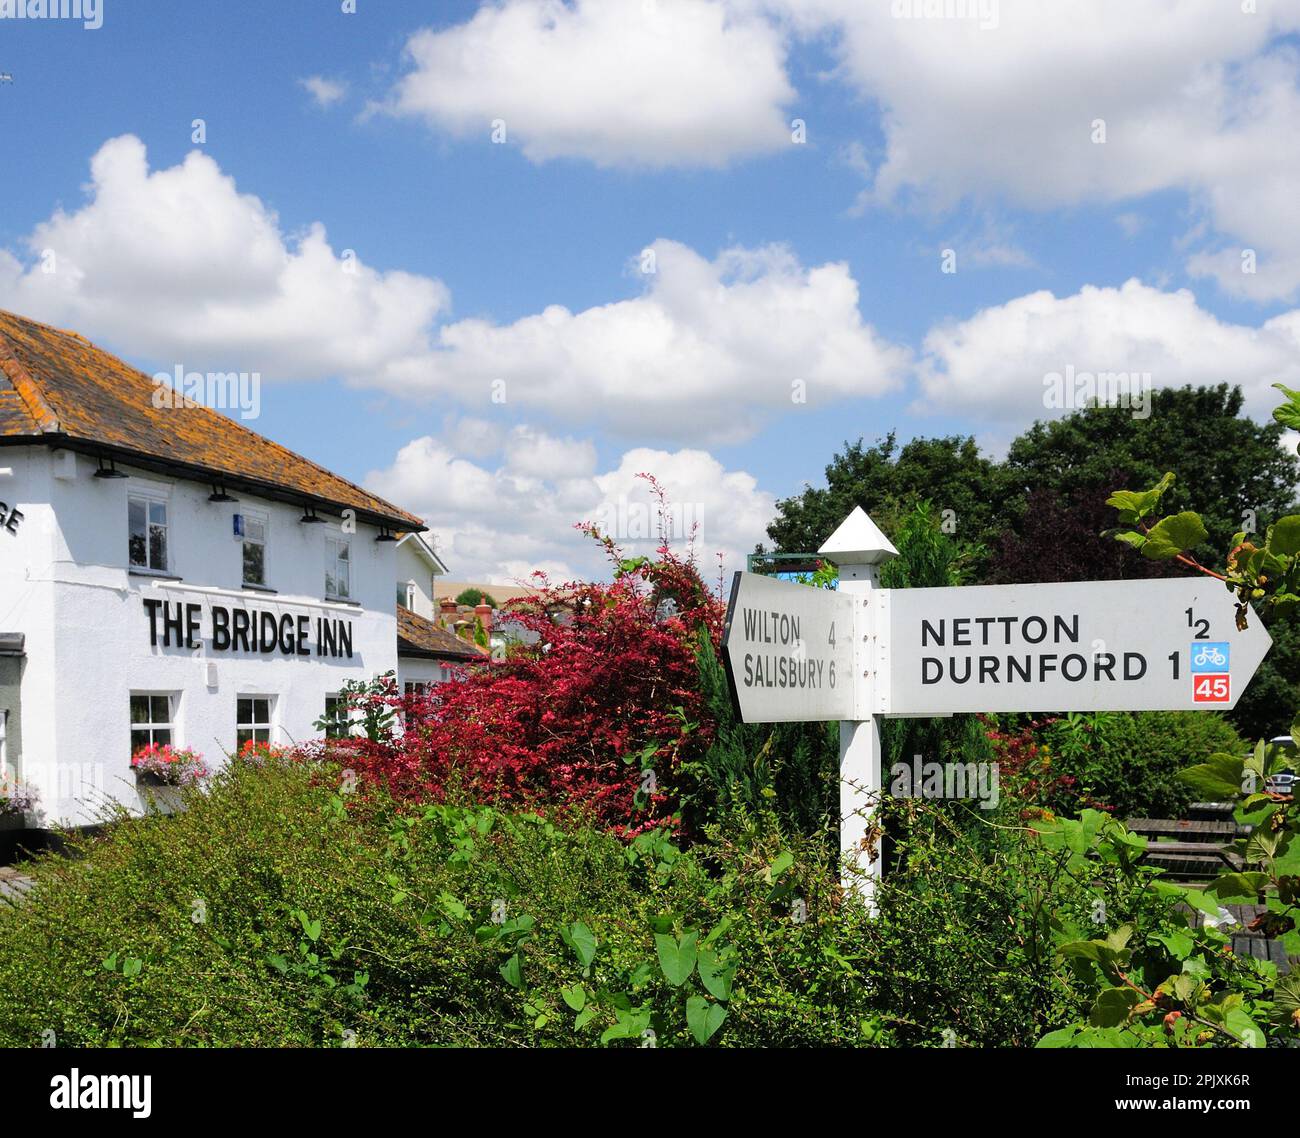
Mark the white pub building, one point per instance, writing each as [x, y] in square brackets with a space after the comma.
[169, 576]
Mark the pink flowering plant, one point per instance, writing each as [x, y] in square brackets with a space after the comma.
[168, 765]
[15, 798]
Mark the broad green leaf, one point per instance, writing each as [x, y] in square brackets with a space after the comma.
[1083, 950]
[1286, 997]
[1112, 1006]
[1174, 535]
[1178, 944]
[676, 957]
[1218, 779]
[630, 1025]
[1288, 414]
[452, 907]
[1061, 1037]
[704, 1018]
[784, 861]
[512, 972]
[717, 970]
[1133, 538]
[583, 942]
[1239, 885]
[1244, 1028]
[575, 997]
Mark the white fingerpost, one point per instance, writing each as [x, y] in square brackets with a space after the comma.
[859, 548]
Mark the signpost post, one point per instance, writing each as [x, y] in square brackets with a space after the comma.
[861, 653]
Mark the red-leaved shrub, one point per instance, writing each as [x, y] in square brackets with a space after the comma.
[601, 712]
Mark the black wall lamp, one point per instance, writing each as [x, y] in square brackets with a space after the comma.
[310, 518]
[219, 494]
[109, 471]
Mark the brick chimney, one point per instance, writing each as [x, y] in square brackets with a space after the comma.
[447, 610]
[483, 611]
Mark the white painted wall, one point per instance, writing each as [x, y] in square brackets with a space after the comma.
[412, 567]
[66, 585]
[412, 669]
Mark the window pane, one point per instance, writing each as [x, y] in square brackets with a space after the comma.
[136, 532]
[162, 709]
[330, 589]
[242, 736]
[139, 709]
[254, 564]
[262, 735]
[343, 550]
[163, 737]
[157, 547]
[244, 710]
[158, 513]
[254, 531]
[343, 581]
[261, 711]
[139, 739]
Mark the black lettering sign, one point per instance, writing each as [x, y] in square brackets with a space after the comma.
[239, 630]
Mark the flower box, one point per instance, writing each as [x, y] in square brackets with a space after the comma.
[162, 765]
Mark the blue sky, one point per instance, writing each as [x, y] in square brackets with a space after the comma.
[661, 124]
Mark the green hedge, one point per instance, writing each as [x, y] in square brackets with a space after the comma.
[1131, 760]
[276, 912]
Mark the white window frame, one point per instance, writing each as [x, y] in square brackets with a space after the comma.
[171, 724]
[262, 518]
[150, 495]
[253, 725]
[344, 724]
[332, 562]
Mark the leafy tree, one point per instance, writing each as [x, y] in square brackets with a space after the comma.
[1059, 538]
[1235, 473]
[474, 596]
[887, 481]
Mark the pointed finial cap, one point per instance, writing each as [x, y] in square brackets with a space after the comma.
[858, 541]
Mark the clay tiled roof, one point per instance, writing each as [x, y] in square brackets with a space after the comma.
[59, 389]
[419, 637]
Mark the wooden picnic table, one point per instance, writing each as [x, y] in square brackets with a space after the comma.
[1192, 856]
[1246, 941]
[1191, 831]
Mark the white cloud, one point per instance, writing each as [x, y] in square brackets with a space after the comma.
[615, 82]
[992, 366]
[1196, 96]
[182, 267]
[708, 350]
[178, 266]
[326, 92]
[501, 514]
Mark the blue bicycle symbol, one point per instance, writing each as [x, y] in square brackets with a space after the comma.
[1210, 656]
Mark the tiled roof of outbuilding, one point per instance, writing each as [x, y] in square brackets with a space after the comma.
[57, 388]
[420, 637]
